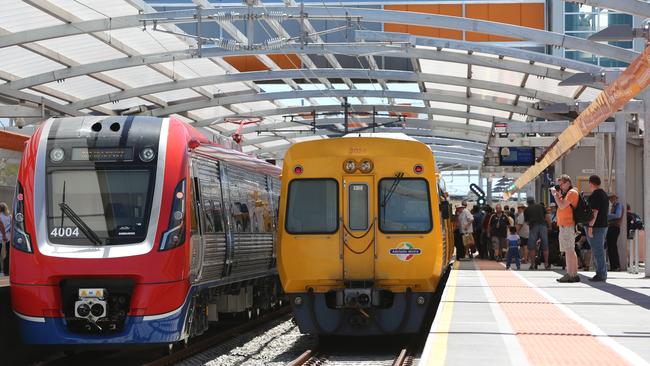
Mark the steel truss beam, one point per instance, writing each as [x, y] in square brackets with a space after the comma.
[388, 75]
[445, 96]
[366, 15]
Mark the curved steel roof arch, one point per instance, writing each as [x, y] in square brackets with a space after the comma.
[634, 7]
[444, 96]
[368, 15]
[357, 108]
[349, 49]
[387, 75]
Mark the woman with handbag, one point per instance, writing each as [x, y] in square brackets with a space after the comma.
[465, 221]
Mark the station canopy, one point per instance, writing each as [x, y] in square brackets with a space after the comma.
[271, 74]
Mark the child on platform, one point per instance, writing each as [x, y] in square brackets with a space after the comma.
[513, 248]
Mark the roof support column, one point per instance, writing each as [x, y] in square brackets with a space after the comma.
[646, 173]
[621, 165]
[600, 155]
[489, 191]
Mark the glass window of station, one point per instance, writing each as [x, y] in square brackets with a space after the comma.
[584, 20]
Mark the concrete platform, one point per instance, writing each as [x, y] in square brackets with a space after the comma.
[489, 315]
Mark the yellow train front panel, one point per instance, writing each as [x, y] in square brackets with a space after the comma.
[361, 237]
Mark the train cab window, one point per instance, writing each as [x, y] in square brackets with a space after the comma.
[404, 206]
[312, 206]
[358, 207]
[103, 206]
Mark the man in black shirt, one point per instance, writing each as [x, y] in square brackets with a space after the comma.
[597, 227]
[535, 216]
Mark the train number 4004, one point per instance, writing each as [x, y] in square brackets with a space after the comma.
[64, 232]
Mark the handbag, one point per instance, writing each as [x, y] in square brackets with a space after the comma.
[468, 239]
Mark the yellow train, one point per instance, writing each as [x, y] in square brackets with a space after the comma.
[362, 234]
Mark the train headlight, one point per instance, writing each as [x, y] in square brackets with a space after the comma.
[19, 237]
[147, 154]
[57, 155]
[349, 166]
[83, 310]
[175, 233]
[366, 166]
[418, 169]
[97, 310]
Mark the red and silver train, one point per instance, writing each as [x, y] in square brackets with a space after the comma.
[138, 230]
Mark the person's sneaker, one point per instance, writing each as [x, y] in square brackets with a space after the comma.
[575, 278]
[597, 278]
[532, 267]
[564, 279]
[507, 268]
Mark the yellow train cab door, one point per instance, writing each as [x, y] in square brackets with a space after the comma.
[359, 228]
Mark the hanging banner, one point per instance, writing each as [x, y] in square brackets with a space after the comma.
[630, 83]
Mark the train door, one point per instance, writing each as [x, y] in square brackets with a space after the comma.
[359, 228]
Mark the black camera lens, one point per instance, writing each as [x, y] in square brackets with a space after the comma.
[557, 186]
[97, 310]
[83, 310]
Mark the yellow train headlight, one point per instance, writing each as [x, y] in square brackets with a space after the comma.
[349, 166]
[366, 166]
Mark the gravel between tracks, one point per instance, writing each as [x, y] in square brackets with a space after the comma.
[277, 343]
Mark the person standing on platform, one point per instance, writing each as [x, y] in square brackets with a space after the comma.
[5, 227]
[477, 225]
[485, 250]
[522, 230]
[567, 197]
[465, 220]
[597, 227]
[535, 216]
[498, 230]
[614, 219]
[513, 248]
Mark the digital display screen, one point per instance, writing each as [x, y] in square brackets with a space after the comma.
[102, 153]
[518, 156]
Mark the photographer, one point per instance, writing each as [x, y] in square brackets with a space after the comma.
[567, 197]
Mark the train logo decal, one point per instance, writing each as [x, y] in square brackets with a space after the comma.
[405, 251]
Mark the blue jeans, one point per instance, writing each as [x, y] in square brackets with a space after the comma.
[513, 252]
[597, 244]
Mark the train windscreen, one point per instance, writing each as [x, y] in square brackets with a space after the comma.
[312, 206]
[100, 206]
[404, 206]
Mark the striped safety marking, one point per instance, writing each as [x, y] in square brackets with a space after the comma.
[547, 334]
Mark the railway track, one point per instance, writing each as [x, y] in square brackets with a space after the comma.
[317, 357]
[206, 343]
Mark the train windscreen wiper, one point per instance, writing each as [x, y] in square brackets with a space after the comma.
[88, 232]
[393, 187]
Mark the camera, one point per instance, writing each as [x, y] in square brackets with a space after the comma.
[557, 187]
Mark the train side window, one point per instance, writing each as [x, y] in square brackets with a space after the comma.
[312, 206]
[358, 206]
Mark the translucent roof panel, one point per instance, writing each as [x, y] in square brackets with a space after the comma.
[450, 106]
[255, 106]
[497, 75]
[490, 112]
[19, 16]
[21, 62]
[434, 86]
[173, 95]
[82, 48]
[448, 119]
[138, 76]
[82, 87]
[148, 41]
[589, 94]
[95, 9]
[212, 112]
[475, 122]
[443, 68]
